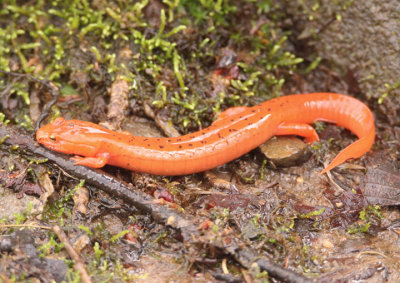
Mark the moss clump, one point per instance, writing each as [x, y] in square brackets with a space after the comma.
[173, 48]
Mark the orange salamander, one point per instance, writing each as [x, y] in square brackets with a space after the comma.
[237, 131]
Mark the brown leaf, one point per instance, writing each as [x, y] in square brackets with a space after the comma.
[382, 185]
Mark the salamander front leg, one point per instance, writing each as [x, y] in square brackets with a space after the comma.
[303, 130]
[93, 162]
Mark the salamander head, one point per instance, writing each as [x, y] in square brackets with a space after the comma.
[69, 136]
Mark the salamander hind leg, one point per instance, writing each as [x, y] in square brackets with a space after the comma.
[93, 162]
[303, 130]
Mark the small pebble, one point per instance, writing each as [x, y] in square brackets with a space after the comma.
[6, 245]
[285, 151]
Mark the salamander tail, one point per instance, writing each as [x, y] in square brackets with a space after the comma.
[355, 150]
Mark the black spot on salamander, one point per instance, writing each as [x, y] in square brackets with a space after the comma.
[202, 142]
[253, 110]
[219, 135]
[190, 144]
[168, 140]
[145, 139]
[249, 124]
[232, 120]
[240, 116]
[178, 139]
[158, 139]
[161, 146]
[245, 119]
[269, 109]
[148, 144]
[180, 146]
[192, 137]
[232, 130]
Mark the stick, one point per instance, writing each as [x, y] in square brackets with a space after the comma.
[79, 265]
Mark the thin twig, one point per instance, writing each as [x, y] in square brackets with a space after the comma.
[25, 226]
[79, 265]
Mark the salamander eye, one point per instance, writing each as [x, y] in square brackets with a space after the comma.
[52, 137]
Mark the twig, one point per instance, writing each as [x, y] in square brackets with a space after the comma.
[79, 265]
[25, 226]
[277, 271]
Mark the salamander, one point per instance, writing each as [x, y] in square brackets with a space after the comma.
[235, 132]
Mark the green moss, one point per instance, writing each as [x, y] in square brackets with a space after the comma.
[57, 30]
[389, 89]
[313, 213]
[203, 10]
[119, 235]
[369, 215]
[20, 218]
[51, 246]
[86, 229]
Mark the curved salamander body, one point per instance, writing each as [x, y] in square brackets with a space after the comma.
[237, 131]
